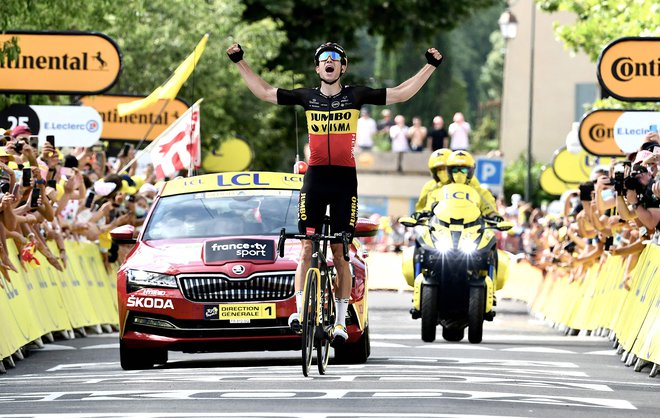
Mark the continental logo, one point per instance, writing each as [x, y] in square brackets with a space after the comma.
[134, 126]
[354, 209]
[596, 132]
[303, 209]
[338, 121]
[629, 69]
[60, 62]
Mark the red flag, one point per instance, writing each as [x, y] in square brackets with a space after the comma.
[178, 145]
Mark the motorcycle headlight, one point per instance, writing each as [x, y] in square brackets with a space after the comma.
[467, 246]
[443, 244]
[149, 279]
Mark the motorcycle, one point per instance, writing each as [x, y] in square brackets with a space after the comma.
[452, 265]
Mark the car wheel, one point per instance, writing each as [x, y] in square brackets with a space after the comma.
[356, 353]
[140, 358]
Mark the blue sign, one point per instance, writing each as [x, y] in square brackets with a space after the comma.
[490, 172]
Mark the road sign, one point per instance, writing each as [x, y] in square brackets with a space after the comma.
[490, 172]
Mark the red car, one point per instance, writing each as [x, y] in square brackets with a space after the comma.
[204, 274]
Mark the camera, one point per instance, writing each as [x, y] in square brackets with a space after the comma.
[18, 146]
[27, 177]
[618, 183]
[585, 191]
[35, 197]
[90, 198]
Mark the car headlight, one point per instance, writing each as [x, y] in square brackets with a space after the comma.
[467, 246]
[149, 279]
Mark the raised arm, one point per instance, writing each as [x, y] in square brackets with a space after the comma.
[257, 85]
[411, 86]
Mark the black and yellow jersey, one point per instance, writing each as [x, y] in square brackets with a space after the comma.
[332, 120]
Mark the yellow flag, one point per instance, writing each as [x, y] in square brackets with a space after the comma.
[171, 87]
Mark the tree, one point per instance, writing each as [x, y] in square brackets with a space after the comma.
[600, 22]
[154, 36]
[307, 23]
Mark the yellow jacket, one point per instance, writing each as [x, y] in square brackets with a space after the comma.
[487, 206]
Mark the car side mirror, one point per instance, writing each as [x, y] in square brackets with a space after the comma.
[123, 235]
[408, 221]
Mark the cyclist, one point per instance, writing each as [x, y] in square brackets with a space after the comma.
[438, 170]
[332, 112]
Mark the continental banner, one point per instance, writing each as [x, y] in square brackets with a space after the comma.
[39, 299]
[629, 69]
[59, 62]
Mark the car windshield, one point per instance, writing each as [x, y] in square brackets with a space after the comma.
[217, 214]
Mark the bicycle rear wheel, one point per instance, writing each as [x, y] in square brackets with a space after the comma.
[324, 332]
[309, 320]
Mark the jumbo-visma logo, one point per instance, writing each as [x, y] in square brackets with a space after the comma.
[338, 121]
[60, 62]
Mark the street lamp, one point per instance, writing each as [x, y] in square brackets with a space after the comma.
[509, 29]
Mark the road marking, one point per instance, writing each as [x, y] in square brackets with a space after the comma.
[499, 338]
[362, 394]
[388, 345]
[538, 350]
[455, 347]
[603, 353]
[56, 347]
[253, 415]
[101, 346]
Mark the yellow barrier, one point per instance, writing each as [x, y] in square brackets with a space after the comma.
[40, 299]
[598, 300]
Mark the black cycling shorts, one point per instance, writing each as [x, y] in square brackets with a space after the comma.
[328, 185]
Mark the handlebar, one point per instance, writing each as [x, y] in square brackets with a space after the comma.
[314, 237]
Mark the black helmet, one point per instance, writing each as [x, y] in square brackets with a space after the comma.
[330, 46]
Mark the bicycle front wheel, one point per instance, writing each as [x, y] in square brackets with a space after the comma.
[310, 304]
[327, 322]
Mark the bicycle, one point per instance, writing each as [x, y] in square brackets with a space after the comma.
[318, 316]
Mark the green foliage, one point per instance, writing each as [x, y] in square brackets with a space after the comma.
[515, 179]
[600, 22]
[154, 36]
[308, 23]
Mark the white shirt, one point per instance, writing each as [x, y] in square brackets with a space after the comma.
[459, 135]
[366, 128]
[399, 137]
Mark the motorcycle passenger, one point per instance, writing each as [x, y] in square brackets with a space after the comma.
[437, 167]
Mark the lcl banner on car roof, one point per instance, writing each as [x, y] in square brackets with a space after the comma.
[629, 69]
[59, 62]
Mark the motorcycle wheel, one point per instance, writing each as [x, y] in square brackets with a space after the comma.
[476, 308]
[429, 313]
[452, 334]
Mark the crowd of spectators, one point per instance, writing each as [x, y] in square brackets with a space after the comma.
[57, 194]
[617, 212]
[396, 135]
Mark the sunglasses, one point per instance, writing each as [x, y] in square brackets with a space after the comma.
[333, 55]
[463, 170]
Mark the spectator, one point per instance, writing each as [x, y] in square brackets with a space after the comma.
[438, 135]
[399, 135]
[417, 135]
[459, 131]
[366, 128]
[386, 122]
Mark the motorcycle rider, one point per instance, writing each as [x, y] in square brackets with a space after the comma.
[460, 169]
[437, 167]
